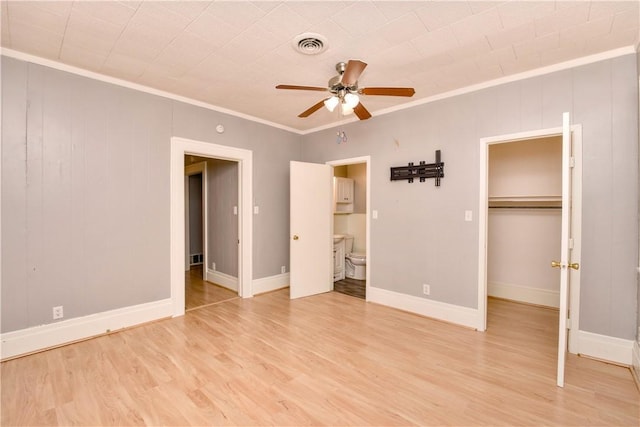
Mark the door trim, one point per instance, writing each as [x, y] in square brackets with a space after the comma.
[574, 298]
[244, 158]
[367, 161]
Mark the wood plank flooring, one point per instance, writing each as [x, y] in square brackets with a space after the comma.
[353, 287]
[325, 360]
[199, 293]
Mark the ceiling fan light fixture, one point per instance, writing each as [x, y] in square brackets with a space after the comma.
[331, 103]
[346, 110]
[351, 100]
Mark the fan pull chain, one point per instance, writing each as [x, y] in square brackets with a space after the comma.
[341, 137]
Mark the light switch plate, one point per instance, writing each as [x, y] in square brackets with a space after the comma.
[468, 216]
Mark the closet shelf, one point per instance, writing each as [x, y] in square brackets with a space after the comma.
[525, 202]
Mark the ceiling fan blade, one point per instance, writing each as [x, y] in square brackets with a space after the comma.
[309, 111]
[319, 89]
[352, 72]
[361, 112]
[388, 91]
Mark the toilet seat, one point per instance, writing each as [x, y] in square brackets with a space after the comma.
[357, 258]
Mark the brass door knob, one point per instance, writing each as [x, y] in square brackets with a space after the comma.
[557, 264]
[295, 237]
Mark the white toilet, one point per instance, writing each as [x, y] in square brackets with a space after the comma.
[355, 264]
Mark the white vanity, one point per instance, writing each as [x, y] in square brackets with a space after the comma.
[338, 257]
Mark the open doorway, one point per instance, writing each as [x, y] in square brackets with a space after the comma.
[352, 255]
[244, 245]
[211, 231]
[524, 220]
[528, 189]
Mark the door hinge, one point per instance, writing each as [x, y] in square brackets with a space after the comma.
[568, 323]
[572, 162]
[570, 242]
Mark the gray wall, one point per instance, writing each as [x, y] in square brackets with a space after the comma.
[439, 248]
[85, 192]
[222, 177]
[85, 188]
[195, 214]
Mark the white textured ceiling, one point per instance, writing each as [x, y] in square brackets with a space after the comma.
[232, 54]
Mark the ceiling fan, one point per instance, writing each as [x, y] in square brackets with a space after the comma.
[344, 91]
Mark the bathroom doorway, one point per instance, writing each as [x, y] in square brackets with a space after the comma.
[351, 228]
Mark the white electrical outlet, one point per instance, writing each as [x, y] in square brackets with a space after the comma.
[213, 266]
[426, 289]
[58, 313]
[283, 269]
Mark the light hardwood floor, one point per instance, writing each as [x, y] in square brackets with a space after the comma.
[200, 293]
[329, 359]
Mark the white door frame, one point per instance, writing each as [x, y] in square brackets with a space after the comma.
[180, 147]
[194, 169]
[367, 161]
[576, 220]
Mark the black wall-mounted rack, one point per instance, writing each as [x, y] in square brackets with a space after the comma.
[422, 171]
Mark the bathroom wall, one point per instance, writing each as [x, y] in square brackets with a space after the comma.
[358, 172]
[357, 226]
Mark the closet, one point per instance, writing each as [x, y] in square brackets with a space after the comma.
[524, 220]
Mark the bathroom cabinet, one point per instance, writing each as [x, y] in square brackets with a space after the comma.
[343, 192]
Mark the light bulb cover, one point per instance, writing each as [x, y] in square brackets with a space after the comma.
[351, 100]
[346, 110]
[331, 103]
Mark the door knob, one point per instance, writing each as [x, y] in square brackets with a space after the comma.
[574, 265]
[295, 237]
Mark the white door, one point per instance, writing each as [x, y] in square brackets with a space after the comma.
[311, 219]
[565, 264]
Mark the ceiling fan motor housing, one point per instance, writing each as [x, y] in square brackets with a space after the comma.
[335, 83]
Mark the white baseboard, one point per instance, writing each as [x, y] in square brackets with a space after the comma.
[459, 315]
[271, 283]
[28, 340]
[222, 279]
[635, 365]
[526, 294]
[604, 347]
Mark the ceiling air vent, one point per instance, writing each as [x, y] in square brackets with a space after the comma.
[310, 43]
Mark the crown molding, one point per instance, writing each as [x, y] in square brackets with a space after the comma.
[135, 86]
[632, 49]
